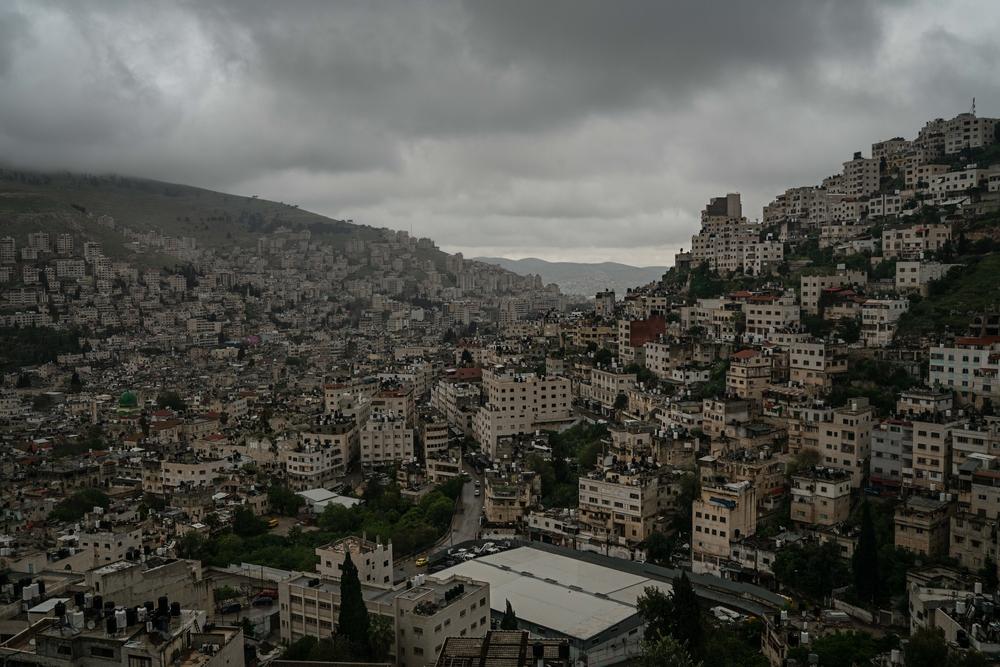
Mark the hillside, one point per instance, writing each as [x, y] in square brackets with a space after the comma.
[58, 202]
[581, 278]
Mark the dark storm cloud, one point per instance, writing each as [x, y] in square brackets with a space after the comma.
[560, 128]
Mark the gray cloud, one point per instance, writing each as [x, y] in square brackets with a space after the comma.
[562, 128]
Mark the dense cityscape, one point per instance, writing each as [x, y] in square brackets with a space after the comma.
[390, 334]
[795, 425]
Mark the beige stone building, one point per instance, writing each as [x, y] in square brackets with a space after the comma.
[373, 560]
[520, 403]
[922, 526]
[821, 496]
[620, 504]
[815, 364]
[509, 494]
[845, 442]
[721, 515]
[811, 287]
[749, 375]
[913, 241]
[387, 437]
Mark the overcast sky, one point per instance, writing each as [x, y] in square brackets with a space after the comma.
[568, 130]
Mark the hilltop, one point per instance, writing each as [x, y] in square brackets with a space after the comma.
[67, 202]
[581, 278]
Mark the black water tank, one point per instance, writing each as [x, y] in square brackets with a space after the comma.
[112, 624]
[98, 602]
[60, 609]
[41, 588]
[78, 599]
[175, 609]
[131, 616]
[148, 604]
[163, 604]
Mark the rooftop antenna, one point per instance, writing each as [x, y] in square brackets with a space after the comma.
[973, 106]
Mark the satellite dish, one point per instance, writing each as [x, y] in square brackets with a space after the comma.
[90, 625]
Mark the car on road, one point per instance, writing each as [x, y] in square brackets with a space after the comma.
[263, 601]
[477, 492]
[230, 608]
[421, 561]
[272, 523]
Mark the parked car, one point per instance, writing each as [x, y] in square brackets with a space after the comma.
[421, 561]
[263, 601]
[231, 608]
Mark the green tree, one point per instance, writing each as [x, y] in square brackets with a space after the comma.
[621, 402]
[926, 648]
[284, 501]
[248, 524]
[172, 400]
[865, 559]
[509, 620]
[81, 502]
[812, 569]
[665, 651]
[677, 615]
[381, 635]
[352, 623]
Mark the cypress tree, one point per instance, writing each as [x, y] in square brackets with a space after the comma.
[509, 620]
[352, 623]
[865, 560]
[687, 628]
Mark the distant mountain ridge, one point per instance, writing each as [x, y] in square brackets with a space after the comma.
[581, 278]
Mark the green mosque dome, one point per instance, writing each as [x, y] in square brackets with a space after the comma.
[128, 400]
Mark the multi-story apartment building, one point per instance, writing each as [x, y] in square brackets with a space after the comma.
[621, 504]
[724, 236]
[966, 130]
[815, 364]
[913, 241]
[604, 304]
[821, 496]
[423, 615]
[519, 403]
[8, 250]
[811, 287]
[387, 437]
[973, 541]
[969, 367]
[749, 375]
[920, 174]
[718, 317]
[607, 384]
[892, 454]
[765, 315]
[921, 400]
[916, 276]
[845, 442]
[458, 400]
[433, 428]
[373, 560]
[959, 185]
[722, 514]
[879, 318]
[322, 454]
[932, 453]
[633, 334]
[860, 176]
[922, 526]
[509, 494]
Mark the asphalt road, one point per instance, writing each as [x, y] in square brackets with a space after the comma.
[464, 525]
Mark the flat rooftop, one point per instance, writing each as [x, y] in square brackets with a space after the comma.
[574, 597]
